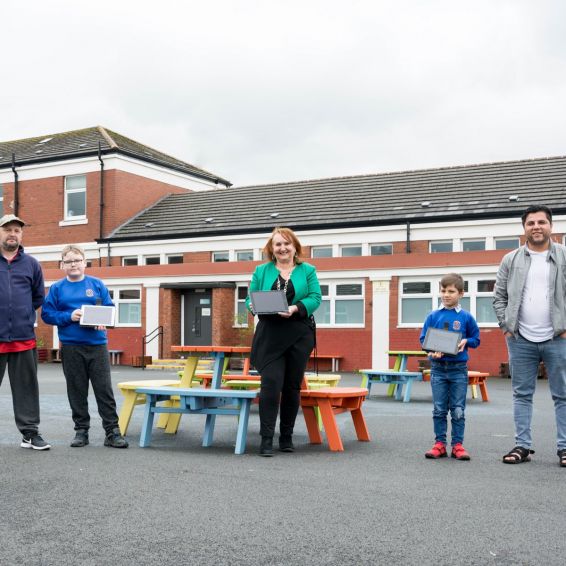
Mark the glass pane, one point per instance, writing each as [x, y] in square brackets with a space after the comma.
[322, 313]
[130, 261]
[349, 289]
[77, 182]
[242, 293]
[416, 287]
[111, 293]
[473, 245]
[439, 247]
[245, 255]
[321, 252]
[381, 249]
[76, 204]
[506, 243]
[484, 310]
[152, 260]
[324, 290]
[465, 303]
[129, 313]
[175, 259]
[415, 310]
[242, 314]
[131, 294]
[351, 251]
[487, 286]
[349, 312]
[220, 256]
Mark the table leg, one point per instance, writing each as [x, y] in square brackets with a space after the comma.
[360, 424]
[312, 425]
[408, 388]
[483, 391]
[474, 391]
[127, 409]
[145, 436]
[245, 405]
[398, 390]
[392, 390]
[330, 425]
[208, 430]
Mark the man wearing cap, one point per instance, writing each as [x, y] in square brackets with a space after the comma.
[22, 292]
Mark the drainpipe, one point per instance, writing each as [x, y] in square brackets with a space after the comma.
[16, 188]
[408, 244]
[101, 218]
[108, 257]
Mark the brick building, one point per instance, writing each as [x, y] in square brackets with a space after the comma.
[380, 244]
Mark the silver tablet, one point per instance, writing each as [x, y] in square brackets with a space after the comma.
[95, 315]
[439, 340]
[269, 302]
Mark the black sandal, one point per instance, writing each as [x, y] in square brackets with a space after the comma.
[520, 454]
[562, 456]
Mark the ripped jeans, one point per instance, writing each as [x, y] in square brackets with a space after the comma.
[449, 382]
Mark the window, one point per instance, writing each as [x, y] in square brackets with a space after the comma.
[75, 197]
[132, 260]
[350, 251]
[506, 243]
[175, 259]
[1, 200]
[418, 298]
[473, 245]
[88, 263]
[381, 249]
[321, 251]
[244, 255]
[220, 256]
[152, 260]
[342, 304]
[241, 318]
[441, 246]
[128, 305]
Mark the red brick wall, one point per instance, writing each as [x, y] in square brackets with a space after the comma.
[170, 318]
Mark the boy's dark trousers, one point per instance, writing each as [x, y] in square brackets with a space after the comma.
[82, 364]
[22, 371]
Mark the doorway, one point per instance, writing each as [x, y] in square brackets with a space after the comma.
[198, 317]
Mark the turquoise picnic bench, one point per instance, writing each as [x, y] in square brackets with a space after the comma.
[209, 402]
[398, 379]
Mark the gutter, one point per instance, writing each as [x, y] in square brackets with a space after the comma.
[101, 204]
[16, 185]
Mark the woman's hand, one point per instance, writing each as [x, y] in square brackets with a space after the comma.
[462, 344]
[435, 355]
[76, 315]
[292, 309]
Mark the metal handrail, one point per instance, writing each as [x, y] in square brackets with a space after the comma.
[156, 332]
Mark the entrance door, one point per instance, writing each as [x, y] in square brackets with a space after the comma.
[198, 317]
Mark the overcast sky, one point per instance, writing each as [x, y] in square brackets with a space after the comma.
[267, 91]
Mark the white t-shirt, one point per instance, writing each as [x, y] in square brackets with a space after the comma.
[534, 315]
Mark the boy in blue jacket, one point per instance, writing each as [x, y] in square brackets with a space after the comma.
[449, 374]
[84, 350]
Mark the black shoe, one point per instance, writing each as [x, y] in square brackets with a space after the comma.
[266, 448]
[80, 440]
[115, 439]
[35, 442]
[286, 443]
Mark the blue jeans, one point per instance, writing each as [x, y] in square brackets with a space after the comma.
[524, 359]
[449, 382]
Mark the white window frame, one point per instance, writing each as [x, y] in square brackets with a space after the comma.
[67, 191]
[214, 254]
[146, 257]
[440, 242]
[434, 296]
[465, 240]
[237, 322]
[351, 246]
[169, 256]
[333, 298]
[380, 244]
[126, 257]
[117, 302]
[248, 251]
[313, 248]
[498, 239]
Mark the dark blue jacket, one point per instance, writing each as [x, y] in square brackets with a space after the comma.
[21, 293]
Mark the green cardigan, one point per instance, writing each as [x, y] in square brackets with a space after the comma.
[305, 281]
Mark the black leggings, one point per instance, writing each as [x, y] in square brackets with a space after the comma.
[281, 384]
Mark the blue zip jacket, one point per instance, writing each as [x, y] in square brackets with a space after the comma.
[458, 320]
[21, 293]
[66, 296]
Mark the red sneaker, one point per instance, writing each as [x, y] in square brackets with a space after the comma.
[459, 452]
[437, 451]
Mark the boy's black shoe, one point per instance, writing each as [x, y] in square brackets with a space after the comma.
[35, 443]
[266, 448]
[80, 440]
[115, 439]
[286, 443]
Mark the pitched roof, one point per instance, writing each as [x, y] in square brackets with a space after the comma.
[82, 143]
[453, 193]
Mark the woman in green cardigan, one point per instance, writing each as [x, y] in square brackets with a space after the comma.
[283, 342]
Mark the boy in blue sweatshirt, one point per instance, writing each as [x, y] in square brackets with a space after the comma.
[84, 350]
[449, 374]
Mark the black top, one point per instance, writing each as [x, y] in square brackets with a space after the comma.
[275, 334]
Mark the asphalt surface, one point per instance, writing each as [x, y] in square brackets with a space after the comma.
[375, 503]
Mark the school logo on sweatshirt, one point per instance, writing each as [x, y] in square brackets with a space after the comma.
[89, 293]
[456, 325]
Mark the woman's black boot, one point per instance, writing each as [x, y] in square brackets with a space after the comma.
[286, 443]
[266, 448]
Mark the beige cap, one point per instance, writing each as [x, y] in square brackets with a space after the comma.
[7, 218]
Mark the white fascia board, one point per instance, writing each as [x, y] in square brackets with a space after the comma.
[128, 164]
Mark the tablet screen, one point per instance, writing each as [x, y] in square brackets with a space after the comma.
[95, 315]
[269, 302]
[439, 340]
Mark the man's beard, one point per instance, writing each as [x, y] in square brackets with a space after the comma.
[9, 246]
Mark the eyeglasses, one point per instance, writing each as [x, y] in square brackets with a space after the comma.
[71, 261]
